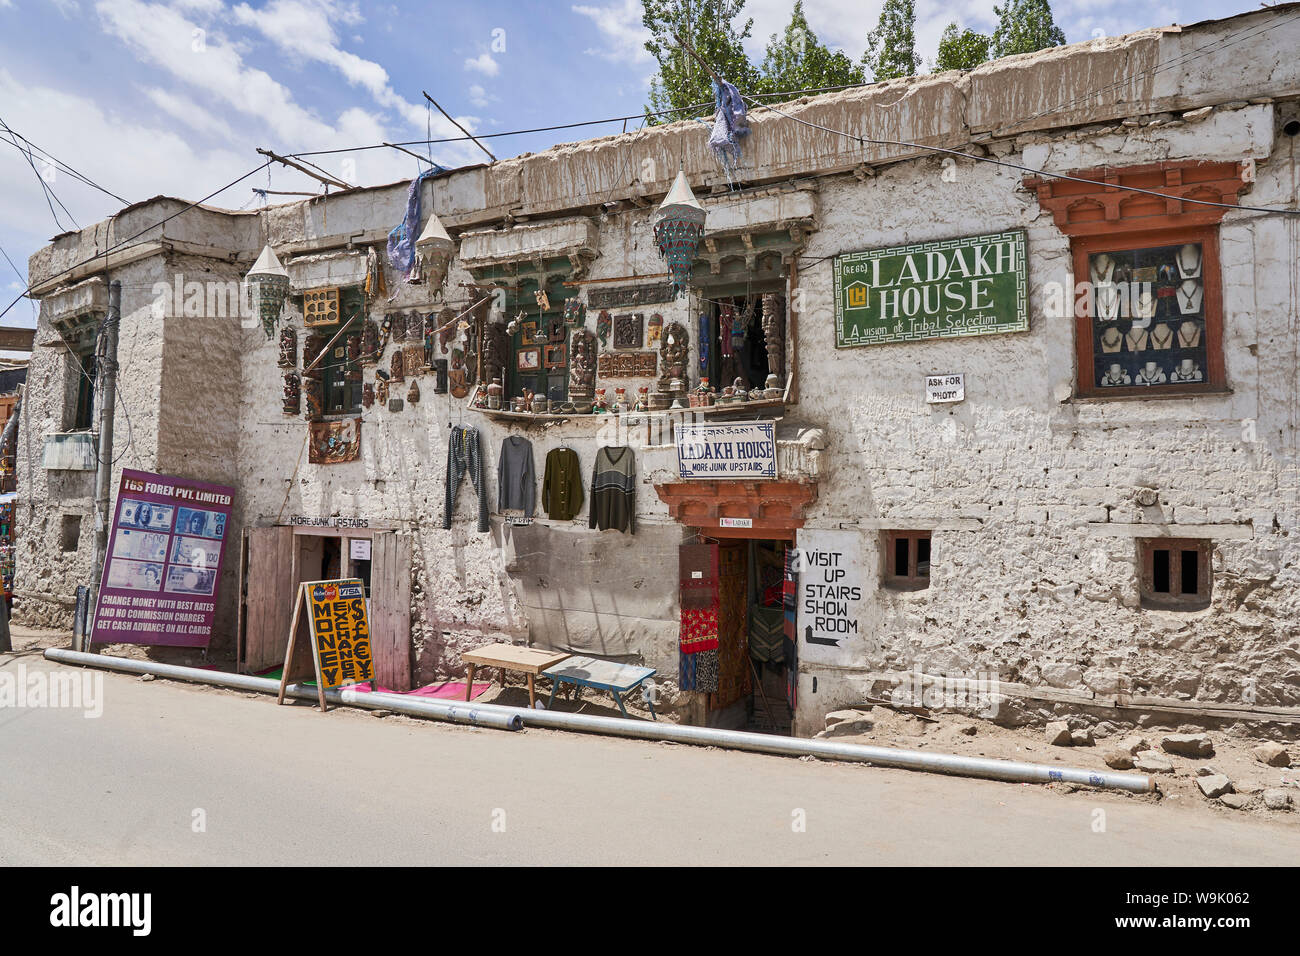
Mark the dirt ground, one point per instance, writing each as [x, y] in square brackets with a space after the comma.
[966, 736]
[940, 732]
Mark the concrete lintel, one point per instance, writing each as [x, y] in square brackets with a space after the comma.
[1142, 530]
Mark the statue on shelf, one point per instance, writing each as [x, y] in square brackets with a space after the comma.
[494, 351]
[774, 335]
[582, 368]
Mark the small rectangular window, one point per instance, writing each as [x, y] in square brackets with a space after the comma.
[906, 560]
[1175, 574]
[82, 413]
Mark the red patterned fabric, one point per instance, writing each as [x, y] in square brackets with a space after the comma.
[699, 629]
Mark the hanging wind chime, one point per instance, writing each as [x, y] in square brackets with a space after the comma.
[679, 224]
[270, 284]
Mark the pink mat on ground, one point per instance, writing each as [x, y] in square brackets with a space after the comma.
[448, 690]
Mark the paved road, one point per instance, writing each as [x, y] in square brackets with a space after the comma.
[289, 785]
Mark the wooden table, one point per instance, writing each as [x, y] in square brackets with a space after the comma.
[618, 679]
[511, 657]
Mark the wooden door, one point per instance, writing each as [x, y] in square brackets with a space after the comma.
[390, 608]
[270, 587]
[733, 631]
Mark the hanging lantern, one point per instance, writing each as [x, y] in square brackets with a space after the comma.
[679, 224]
[270, 285]
[435, 248]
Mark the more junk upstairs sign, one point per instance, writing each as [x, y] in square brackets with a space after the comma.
[977, 285]
[723, 450]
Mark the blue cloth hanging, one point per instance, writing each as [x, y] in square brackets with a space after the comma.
[730, 124]
[401, 241]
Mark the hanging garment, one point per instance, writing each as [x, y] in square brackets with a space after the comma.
[698, 672]
[613, 490]
[463, 455]
[767, 634]
[699, 631]
[516, 481]
[562, 485]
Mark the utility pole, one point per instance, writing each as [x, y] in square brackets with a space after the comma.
[106, 407]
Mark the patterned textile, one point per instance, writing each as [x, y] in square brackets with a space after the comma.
[698, 573]
[699, 630]
[463, 455]
[698, 672]
[767, 634]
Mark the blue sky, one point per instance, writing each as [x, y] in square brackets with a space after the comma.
[151, 97]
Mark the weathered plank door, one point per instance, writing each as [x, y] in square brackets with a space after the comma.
[390, 608]
[270, 588]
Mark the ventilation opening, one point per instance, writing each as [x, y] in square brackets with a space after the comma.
[1191, 572]
[70, 533]
[1160, 572]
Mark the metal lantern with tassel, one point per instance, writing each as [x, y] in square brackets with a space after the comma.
[270, 285]
[679, 224]
[435, 248]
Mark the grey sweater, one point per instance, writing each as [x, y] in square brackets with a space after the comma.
[516, 484]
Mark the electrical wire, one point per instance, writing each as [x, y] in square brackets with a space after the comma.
[862, 140]
[118, 245]
[548, 129]
[61, 165]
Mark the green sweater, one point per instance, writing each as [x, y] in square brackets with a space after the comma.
[562, 485]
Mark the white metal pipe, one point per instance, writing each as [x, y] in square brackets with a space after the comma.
[457, 712]
[985, 767]
[482, 714]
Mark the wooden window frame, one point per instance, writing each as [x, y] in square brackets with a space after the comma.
[912, 581]
[1083, 247]
[1175, 599]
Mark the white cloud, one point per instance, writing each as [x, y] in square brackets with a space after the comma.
[184, 109]
[620, 25]
[479, 96]
[69, 8]
[483, 63]
[305, 30]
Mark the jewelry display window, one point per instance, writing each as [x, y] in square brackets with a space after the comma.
[1149, 320]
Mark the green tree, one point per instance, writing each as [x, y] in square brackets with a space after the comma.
[891, 46]
[797, 60]
[711, 28]
[1025, 26]
[961, 49]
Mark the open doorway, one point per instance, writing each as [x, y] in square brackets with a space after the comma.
[741, 583]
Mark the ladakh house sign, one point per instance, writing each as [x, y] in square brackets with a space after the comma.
[977, 285]
[164, 559]
[717, 450]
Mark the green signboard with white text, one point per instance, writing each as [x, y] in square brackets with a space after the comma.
[977, 285]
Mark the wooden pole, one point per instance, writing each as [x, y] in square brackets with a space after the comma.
[293, 638]
[319, 177]
[459, 127]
